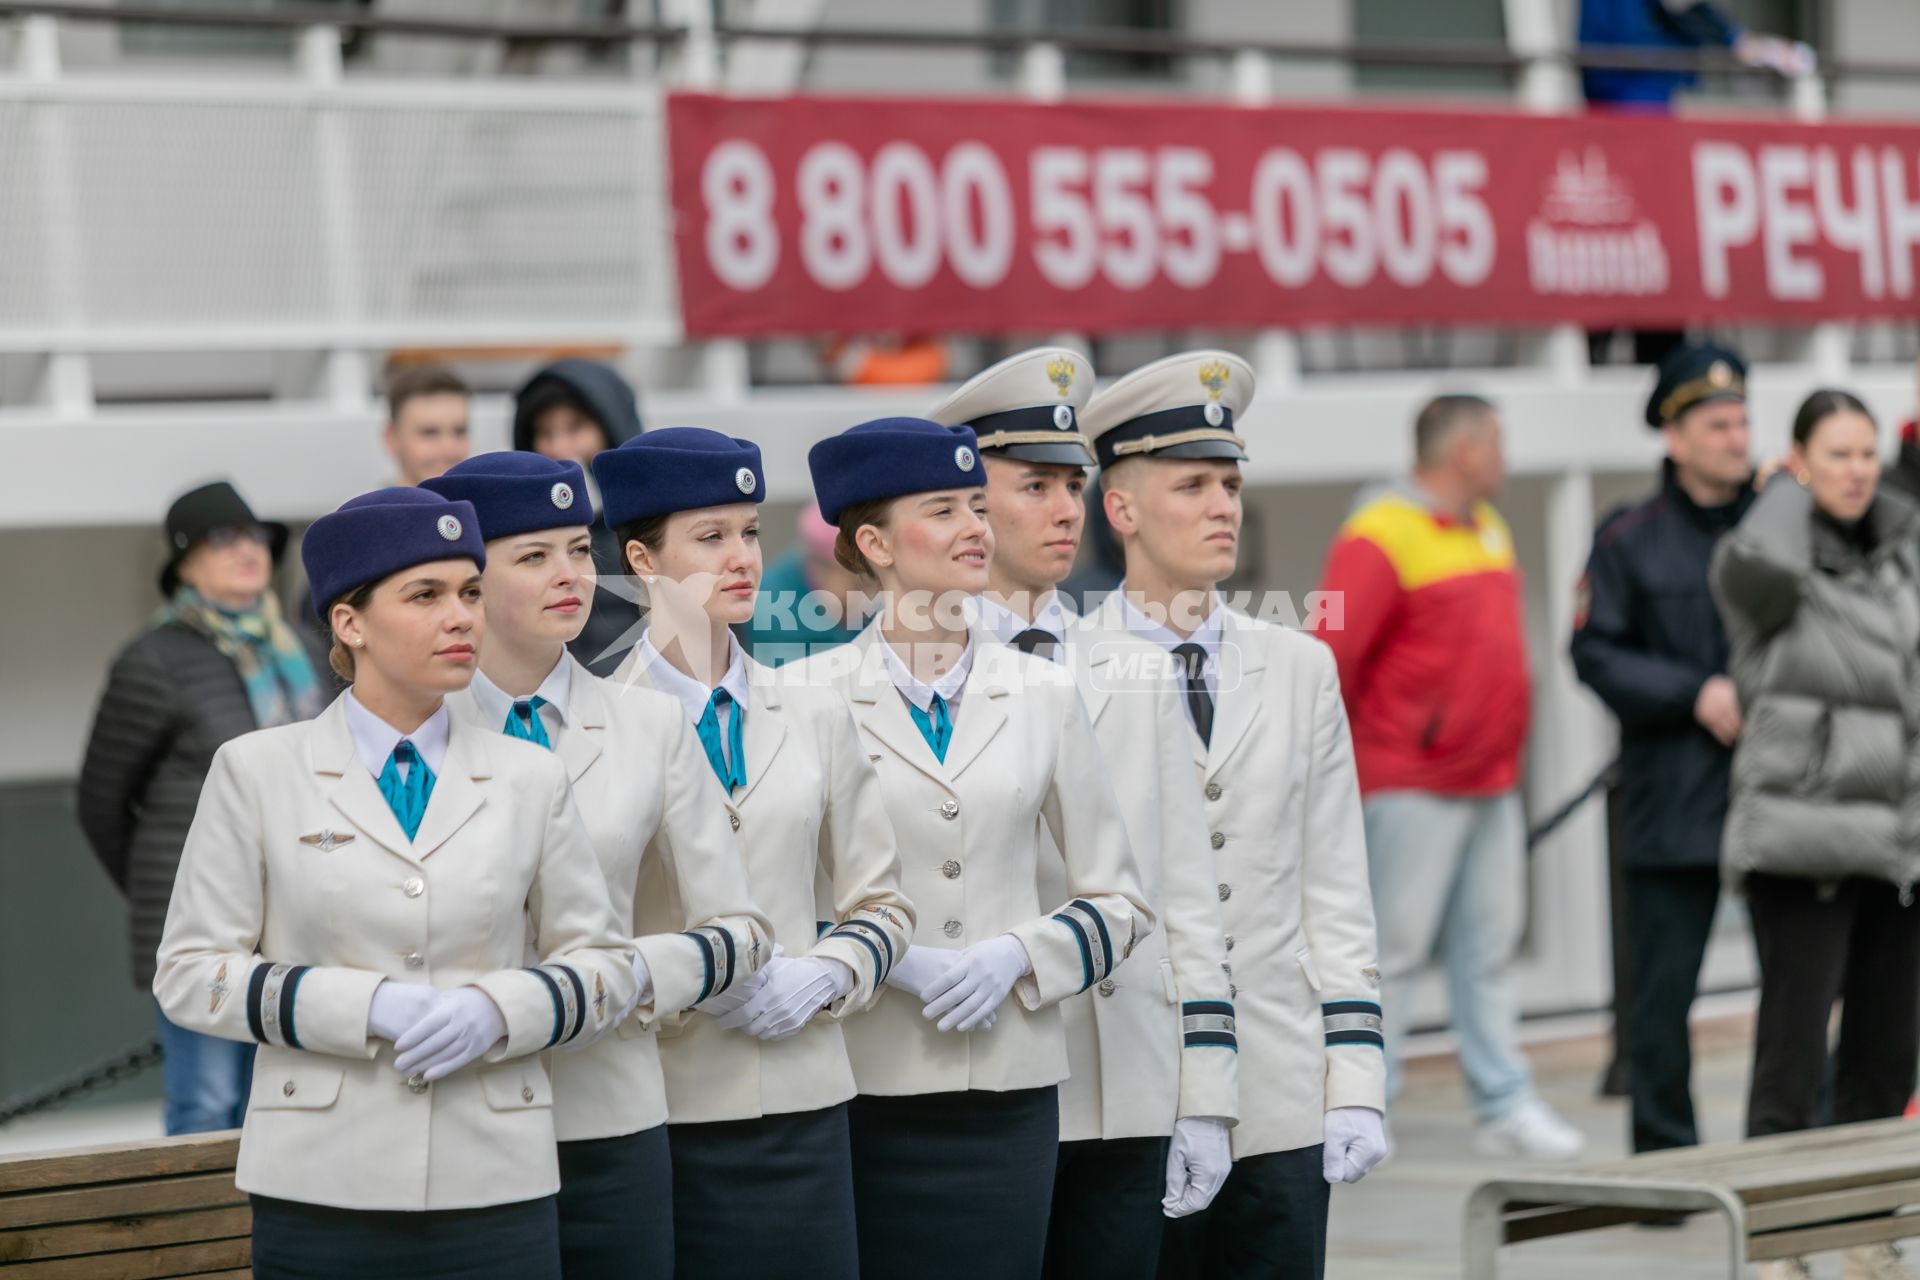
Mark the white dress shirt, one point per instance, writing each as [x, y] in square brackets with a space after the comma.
[692, 694]
[1005, 624]
[374, 739]
[496, 704]
[948, 687]
[1208, 636]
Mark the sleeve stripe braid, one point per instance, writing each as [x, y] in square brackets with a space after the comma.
[579, 1008]
[821, 928]
[726, 945]
[286, 1003]
[256, 983]
[860, 928]
[1212, 1040]
[1208, 1024]
[879, 966]
[1353, 1022]
[272, 1005]
[559, 1009]
[1100, 924]
[1086, 952]
[706, 955]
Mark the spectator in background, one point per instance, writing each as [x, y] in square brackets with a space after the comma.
[426, 429]
[1670, 26]
[1821, 594]
[1433, 668]
[218, 661]
[570, 411]
[1649, 641]
[1665, 26]
[806, 598]
[1903, 477]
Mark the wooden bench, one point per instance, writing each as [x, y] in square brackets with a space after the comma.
[1780, 1197]
[153, 1211]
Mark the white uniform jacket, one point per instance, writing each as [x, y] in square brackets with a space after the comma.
[970, 841]
[823, 864]
[649, 800]
[1282, 807]
[1156, 1041]
[298, 893]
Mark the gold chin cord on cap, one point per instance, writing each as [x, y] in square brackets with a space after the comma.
[1001, 439]
[1147, 444]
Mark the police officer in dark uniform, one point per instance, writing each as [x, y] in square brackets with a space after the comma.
[1649, 642]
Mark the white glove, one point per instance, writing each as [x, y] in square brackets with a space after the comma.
[463, 1026]
[396, 1006]
[1356, 1141]
[976, 982]
[1198, 1161]
[740, 992]
[792, 993]
[917, 971]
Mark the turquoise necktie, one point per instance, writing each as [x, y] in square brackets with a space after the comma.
[936, 727]
[729, 766]
[524, 722]
[408, 796]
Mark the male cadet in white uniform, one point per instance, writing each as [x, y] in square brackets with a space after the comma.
[1270, 750]
[1152, 1048]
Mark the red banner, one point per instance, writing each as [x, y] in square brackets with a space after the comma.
[852, 215]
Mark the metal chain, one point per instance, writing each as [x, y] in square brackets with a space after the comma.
[94, 1079]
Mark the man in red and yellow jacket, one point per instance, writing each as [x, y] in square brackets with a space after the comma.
[1433, 670]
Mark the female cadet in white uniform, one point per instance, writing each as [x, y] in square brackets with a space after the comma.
[957, 1121]
[758, 1096]
[648, 799]
[360, 894]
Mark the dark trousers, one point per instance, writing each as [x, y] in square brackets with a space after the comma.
[1852, 942]
[765, 1199]
[1269, 1222]
[616, 1207]
[1106, 1209]
[954, 1186]
[295, 1241]
[1669, 920]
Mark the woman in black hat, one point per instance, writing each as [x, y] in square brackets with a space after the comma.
[217, 661]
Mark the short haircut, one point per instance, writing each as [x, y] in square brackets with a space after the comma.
[421, 380]
[1440, 419]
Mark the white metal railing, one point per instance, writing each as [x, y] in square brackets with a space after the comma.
[147, 213]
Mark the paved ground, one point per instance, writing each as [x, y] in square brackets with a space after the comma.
[1403, 1223]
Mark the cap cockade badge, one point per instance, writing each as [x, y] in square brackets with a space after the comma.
[1213, 376]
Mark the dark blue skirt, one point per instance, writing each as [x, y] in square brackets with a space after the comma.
[294, 1241]
[955, 1186]
[764, 1199]
[616, 1207]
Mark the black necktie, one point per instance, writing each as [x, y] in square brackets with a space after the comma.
[1199, 701]
[1031, 640]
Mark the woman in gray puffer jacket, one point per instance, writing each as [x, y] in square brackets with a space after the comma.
[1820, 588]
